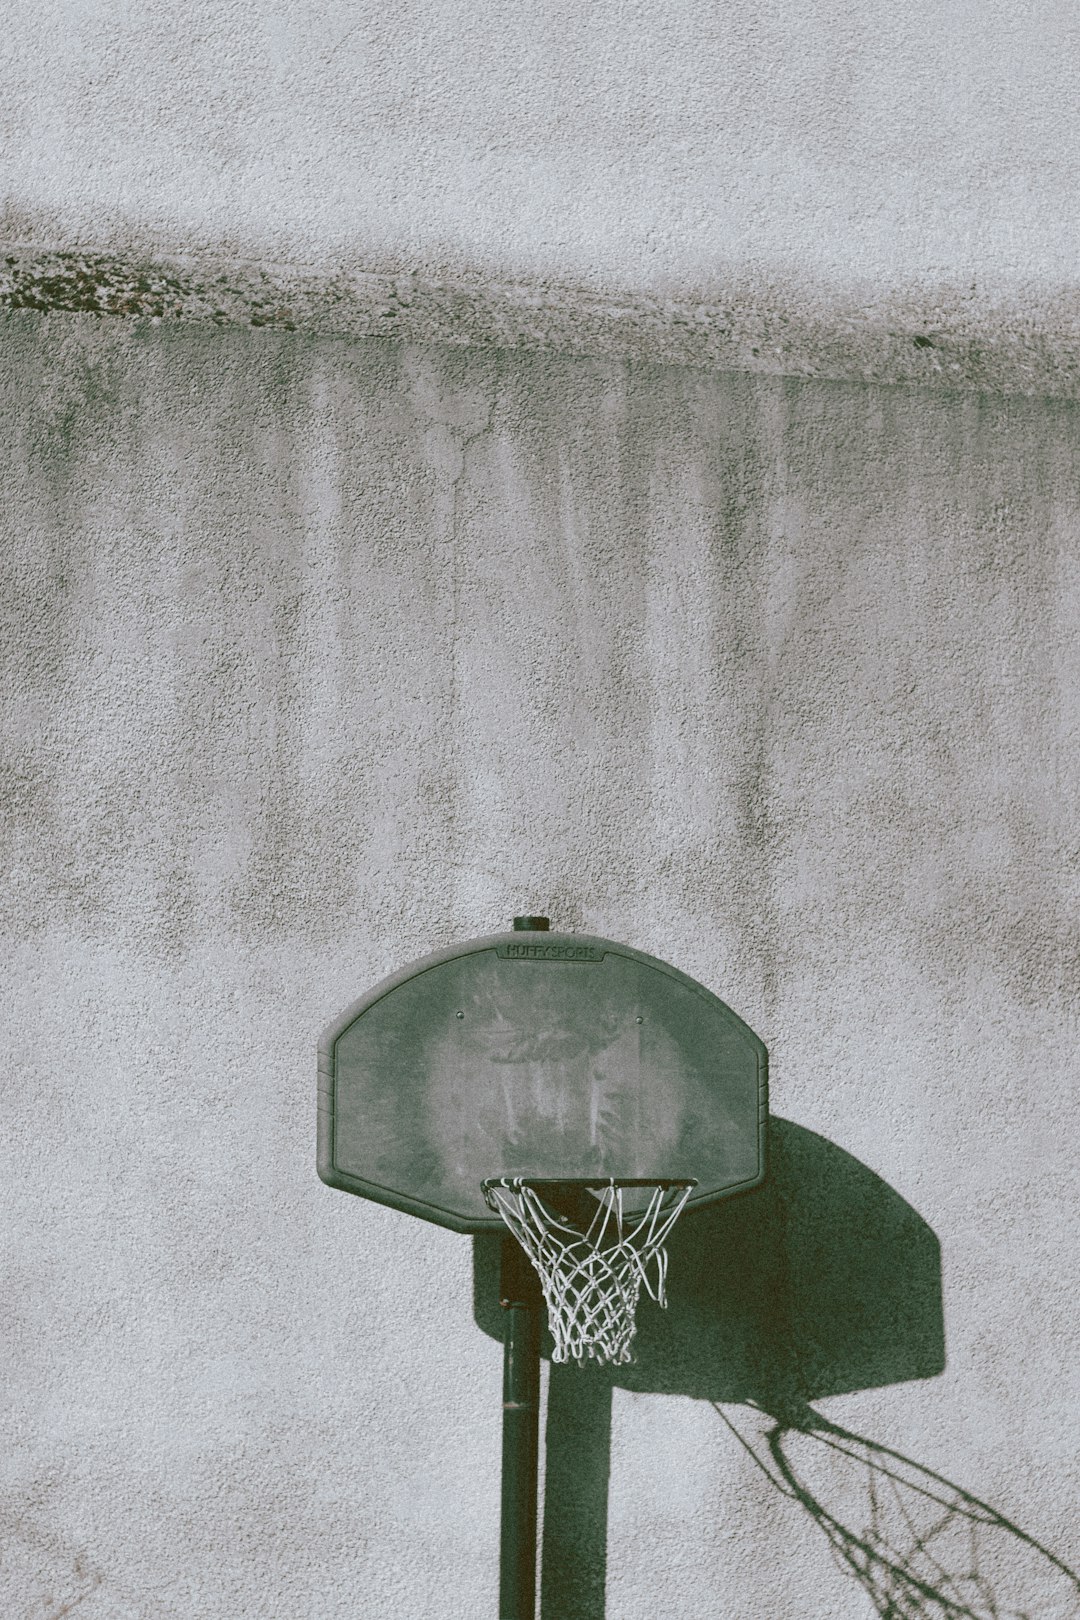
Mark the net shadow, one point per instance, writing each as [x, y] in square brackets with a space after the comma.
[920, 1547]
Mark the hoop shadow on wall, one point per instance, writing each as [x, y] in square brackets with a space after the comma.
[823, 1280]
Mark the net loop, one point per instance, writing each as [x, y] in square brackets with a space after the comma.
[592, 1271]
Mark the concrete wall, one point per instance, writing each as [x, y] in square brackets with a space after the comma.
[640, 146]
[318, 655]
[823, 189]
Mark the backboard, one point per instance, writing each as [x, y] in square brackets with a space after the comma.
[546, 1055]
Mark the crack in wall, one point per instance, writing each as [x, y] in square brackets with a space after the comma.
[456, 858]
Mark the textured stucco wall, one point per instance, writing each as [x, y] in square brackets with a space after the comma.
[825, 188]
[319, 655]
[909, 141]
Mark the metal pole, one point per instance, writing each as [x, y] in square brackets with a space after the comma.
[520, 1441]
[520, 1299]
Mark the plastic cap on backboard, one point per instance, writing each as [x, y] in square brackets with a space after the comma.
[524, 924]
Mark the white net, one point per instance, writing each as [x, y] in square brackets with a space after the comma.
[592, 1270]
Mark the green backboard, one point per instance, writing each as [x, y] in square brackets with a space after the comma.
[555, 1056]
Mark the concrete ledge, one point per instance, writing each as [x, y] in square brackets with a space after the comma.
[1026, 343]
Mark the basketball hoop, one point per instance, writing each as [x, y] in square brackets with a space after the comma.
[582, 1062]
[592, 1253]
